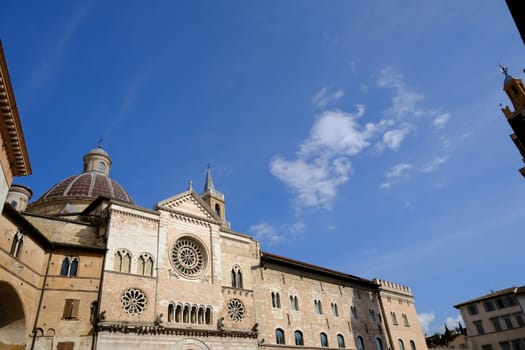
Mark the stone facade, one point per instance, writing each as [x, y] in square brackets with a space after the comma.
[101, 273]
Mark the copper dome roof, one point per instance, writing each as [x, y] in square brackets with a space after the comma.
[94, 181]
[88, 185]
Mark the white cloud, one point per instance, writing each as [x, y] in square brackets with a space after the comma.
[434, 164]
[405, 99]
[265, 232]
[323, 161]
[441, 120]
[393, 176]
[324, 97]
[425, 319]
[393, 138]
[453, 322]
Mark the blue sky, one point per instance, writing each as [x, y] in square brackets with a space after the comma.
[365, 137]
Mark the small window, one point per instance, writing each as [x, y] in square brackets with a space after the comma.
[16, 246]
[70, 309]
[279, 336]
[412, 345]
[69, 266]
[318, 307]
[145, 265]
[335, 311]
[489, 306]
[372, 315]
[508, 322]
[298, 335]
[294, 303]
[324, 339]
[496, 324]
[379, 344]
[394, 318]
[360, 343]
[479, 327]
[101, 166]
[236, 277]
[122, 262]
[505, 345]
[405, 320]
[218, 210]
[519, 320]
[340, 341]
[486, 347]
[276, 300]
[401, 344]
[472, 309]
[65, 345]
[353, 311]
[14, 204]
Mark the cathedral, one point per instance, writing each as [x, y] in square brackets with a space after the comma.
[84, 267]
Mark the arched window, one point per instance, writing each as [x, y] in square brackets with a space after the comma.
[122, 261]
[218, 210]
[16, 246]
[69, 266]
[353, 311]
[405, 320]
[276, 300]
[400, 344]
[360, 343]
[298, 335]
[335, 311]
[193, 318]
[379, 344]
[324, 339]
[101, 167]
[236, 277]
[412, 345]
[178, 313]
[340, 341]
[279, 336]
[394, 318]
[208, 315]
[294, 303]
[145, 265]
[171, 313]
[186, 314]
[372, 315]
[318, 307]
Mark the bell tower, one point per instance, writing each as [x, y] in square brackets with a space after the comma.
[515, 90]
[212, 197]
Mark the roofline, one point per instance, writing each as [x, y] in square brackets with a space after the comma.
[11, 126]
[302, 266]
[495, 294]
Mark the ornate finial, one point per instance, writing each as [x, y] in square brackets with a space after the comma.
[100, 140]
[503, 70]
[190, 185]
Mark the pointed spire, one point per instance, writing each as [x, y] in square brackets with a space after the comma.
[208, 184]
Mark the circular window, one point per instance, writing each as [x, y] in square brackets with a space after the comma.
[188, 257]
[133, 301]
[236, 310]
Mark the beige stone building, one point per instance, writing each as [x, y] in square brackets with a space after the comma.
[84, 267]
[495, 321]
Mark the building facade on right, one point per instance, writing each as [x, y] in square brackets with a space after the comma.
[496, 321]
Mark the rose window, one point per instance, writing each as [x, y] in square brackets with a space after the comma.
[133, 301]
[188, 257]
[236, 310]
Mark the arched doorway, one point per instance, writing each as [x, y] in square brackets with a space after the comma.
[191, 344]
[12, 319]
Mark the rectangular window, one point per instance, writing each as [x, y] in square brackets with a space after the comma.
[479, 327]
[65, 345]
[394, 318]
[405, 320]
[519, 320]
[71, 309]
[489, 306]
[518, 345]
[472, 309]
[508, 322]
[496, 324]
[486, 347]
[353, 311]
[505, 345]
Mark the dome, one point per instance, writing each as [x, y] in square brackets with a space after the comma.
[78, 191]
[88, 185]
